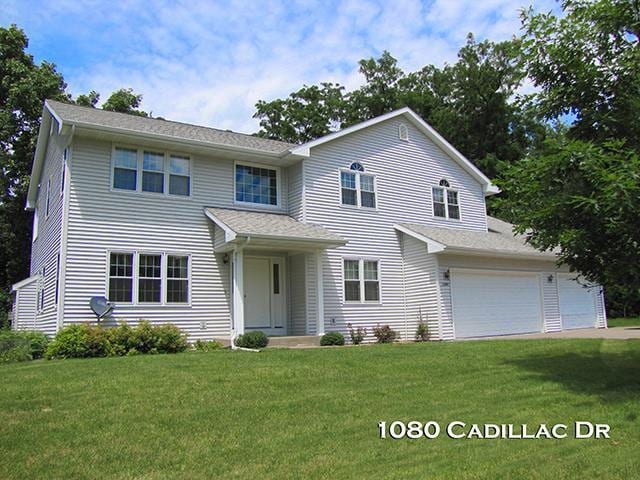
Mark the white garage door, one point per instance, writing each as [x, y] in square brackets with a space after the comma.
[495, 303]
[577, 304]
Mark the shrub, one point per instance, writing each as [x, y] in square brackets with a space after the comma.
[143, 337]
[78, 341]
[332, 338]
[384, 334]
[357, 335]
[170, 339]
[36, 343]
[121, 339]
[422, 332]
[254, 339]
[206, 346]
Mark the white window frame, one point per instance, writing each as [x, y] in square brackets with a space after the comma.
[36, 225]
[445, 191]
[358, 188]
[278, 204]
[361, 260]
[163, 277]
[63, 176]
[47, 206]
[140, 171]
[403, 132]
[41, 290]
[160, 278]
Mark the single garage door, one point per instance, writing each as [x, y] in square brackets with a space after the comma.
[495, 303]
[577, 304]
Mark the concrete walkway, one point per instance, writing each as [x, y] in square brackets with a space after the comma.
[615, 333]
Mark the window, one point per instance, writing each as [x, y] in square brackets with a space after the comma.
[349, 191]
[361, 280]
[65, 155]
[153, 172]
[177, 279]
[57, 278]
[121, 277]
[48, 203]
[35, 224]
[179, 176]
[276, 278]
[256, 185]
[357, 188]
[445, 201]
[41, 292]
[161, 173]
[149, 278]
[125, 171]
[351, 281]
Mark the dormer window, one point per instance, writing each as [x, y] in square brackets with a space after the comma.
[445, 201]
[358, 188]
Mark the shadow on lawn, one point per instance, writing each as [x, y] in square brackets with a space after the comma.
[612, 376]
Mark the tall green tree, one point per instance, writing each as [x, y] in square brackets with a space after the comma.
[24, 85]
[581, 194]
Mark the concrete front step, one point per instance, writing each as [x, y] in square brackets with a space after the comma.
[295, 342]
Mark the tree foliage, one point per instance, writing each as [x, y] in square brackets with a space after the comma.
[471, 102]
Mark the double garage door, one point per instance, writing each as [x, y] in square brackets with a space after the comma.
[489, 303]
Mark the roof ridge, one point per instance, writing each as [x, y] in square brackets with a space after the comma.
[162, 119]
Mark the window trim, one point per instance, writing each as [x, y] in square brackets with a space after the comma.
[446, 203]
[63, 177]
[278, 205]
[137, 277]
[163, 277]
[47, 207]
[357, 173]
[35, 227]
[140, 171]
[361, 259]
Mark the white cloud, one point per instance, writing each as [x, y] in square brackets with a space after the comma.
[210, 62]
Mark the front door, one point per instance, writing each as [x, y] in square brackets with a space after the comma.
[264, 301]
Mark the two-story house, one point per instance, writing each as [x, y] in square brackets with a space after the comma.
[218, 232]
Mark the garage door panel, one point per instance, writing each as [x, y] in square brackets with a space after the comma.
[487, 303]
[577, 304]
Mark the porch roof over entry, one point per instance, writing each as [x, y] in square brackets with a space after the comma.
[268, 230]
[499, 240]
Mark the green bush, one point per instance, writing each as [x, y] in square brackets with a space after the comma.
[254, 339]
[206, 346]
[83, 340]
[17, 350]
[332, 338]
[36, 344]
[170, 339]
[422, 332]
[384, 334]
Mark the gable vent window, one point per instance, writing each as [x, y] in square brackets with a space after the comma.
[403, 132]
[445, 201]
[357, 188]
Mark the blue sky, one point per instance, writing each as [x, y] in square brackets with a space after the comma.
[209, 62]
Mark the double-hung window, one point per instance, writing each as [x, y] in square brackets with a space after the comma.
[357, 188]
[177, 279]
[153, 172]
[125, 169]
[121, 277]
[149, 278]
[445, 201]
[361, 280]
[159, 172]
[256, 185]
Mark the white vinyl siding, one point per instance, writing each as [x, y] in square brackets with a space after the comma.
[25, 307]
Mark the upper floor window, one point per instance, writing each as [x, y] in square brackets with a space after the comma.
[256, 185]
[445, 201]
[151, 171]
[357, 188]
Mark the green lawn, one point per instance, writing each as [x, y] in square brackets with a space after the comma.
[624, 322]
[315, 413]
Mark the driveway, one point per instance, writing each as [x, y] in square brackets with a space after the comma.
[615, 333]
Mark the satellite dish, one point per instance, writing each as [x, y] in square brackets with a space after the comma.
[101, 307]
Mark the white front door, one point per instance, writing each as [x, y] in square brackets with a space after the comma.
[487, 303]
[577, 303]
[264, 295]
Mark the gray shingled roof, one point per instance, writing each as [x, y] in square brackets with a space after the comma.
[77, 115]
[275, 225]
[499, 238]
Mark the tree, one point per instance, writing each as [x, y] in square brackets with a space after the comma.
[90, 99]
[124, 101]
[24, 86]
[581, 194]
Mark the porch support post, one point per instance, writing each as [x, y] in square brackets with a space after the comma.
[320, 293]
[238, 293]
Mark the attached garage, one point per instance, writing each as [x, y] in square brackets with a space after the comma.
[489, 303]
[577, 303]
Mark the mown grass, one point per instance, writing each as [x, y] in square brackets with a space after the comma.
[315, 413]
[624, 322]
